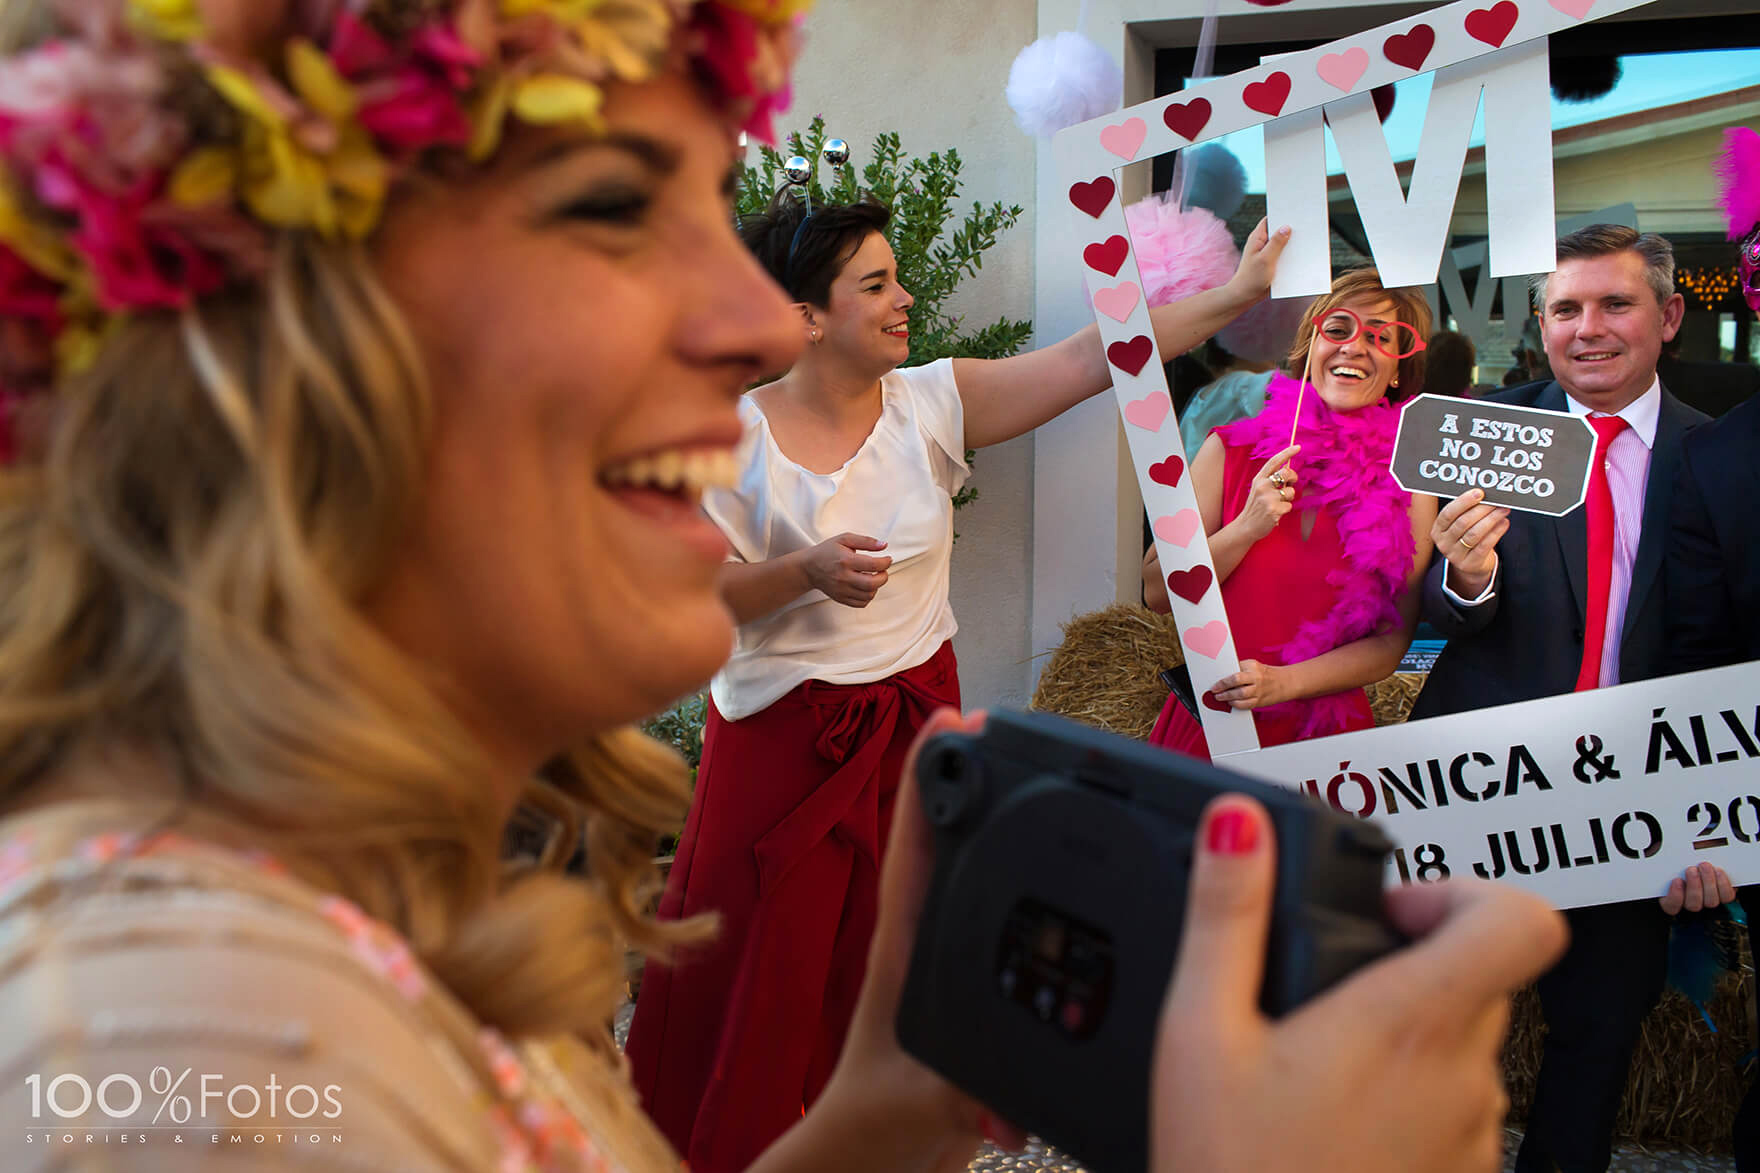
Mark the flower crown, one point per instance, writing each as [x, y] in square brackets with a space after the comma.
[145, 158]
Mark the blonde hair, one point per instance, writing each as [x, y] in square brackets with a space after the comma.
[179, 574]
[1410, 307]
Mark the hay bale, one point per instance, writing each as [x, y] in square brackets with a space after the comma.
[1105, 673]
[1391, 699]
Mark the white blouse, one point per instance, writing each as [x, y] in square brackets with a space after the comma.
[897, 488]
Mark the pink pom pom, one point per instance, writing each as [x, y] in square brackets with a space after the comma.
[1179, 253]
[1738, 170]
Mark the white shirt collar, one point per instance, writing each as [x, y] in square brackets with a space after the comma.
[1640, 414]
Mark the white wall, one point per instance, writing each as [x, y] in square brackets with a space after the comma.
[934, 71]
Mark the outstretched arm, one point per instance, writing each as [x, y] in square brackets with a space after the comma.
[1007, 397]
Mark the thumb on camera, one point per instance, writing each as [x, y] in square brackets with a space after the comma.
[1228, 914]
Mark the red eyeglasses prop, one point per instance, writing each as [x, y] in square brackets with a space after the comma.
[1343, 326]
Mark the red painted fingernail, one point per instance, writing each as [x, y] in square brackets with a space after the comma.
[987, 1125]
[1233, 832]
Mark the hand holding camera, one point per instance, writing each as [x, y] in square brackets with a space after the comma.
[1394, 1067]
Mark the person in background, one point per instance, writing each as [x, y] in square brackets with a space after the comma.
[1449, 363]
[1534, 606]
[1236, 392]
[1315, 618]
[841, 527]
[1712, 573]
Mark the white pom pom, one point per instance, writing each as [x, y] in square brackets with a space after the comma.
[1060, 81]
[1215, 180]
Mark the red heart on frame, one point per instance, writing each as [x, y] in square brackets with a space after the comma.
[1268, 96]
[1107, 256]
[1210, 702]
[1129, 357]
[1412, 48]
[1187, 119]
[1093, 197]
[1167, 472]
[1190, 585]
[1493, 24]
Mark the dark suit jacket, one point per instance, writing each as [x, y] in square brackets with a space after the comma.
[1712, 573]
[1527, 641]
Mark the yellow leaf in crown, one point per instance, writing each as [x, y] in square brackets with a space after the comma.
[172, 20]
[318, 82]
[238, 89]
[551, 100]
[769, 11]
[207, 176]
[39, 247]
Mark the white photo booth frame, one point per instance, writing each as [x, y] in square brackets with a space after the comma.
[1473, 43]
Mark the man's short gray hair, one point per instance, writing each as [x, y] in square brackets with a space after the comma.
[1603, 240]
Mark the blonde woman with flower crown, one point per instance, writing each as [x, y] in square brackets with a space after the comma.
[332, 334]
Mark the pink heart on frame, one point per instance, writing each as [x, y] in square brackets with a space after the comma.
[1575, 9]
[1178, 529]
[1343, 70]
[1208, 639]
[1126, 138]
[1148, 413]
[1118, 301]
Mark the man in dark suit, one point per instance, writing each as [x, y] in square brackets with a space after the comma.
[1712, 578]
[1515, 596]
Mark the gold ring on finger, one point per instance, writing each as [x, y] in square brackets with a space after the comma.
[1466, 543]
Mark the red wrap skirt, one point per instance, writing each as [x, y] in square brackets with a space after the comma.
[784, 840]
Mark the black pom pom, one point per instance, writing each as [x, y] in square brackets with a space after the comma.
[1583, 79]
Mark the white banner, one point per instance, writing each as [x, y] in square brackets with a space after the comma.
[1586, 798]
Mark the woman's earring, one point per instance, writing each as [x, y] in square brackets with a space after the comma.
[1395, 381]
[813, 337]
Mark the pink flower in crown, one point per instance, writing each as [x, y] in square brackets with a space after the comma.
[409, 97]
[135, 263]
[747, 61]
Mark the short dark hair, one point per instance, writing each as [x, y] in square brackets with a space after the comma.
[1604, 240]
[1449, 370]
[804, 252]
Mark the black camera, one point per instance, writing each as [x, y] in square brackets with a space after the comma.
[1053, 919]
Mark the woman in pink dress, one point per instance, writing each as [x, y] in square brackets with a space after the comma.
[1319, 552]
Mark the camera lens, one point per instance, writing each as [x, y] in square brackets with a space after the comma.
[947, 788]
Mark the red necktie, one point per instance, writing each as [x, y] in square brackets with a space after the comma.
[1600, 506]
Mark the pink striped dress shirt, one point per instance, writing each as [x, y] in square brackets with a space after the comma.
[1628, 474]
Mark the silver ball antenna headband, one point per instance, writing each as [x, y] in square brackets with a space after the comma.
[796, 173]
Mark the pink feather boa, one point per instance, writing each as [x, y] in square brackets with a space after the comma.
[1344, 470]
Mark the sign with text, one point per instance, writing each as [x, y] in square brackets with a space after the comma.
[1521, 457]
[1486, 59]
[1586, 798]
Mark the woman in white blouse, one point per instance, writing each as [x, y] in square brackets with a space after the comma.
[841, 530]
